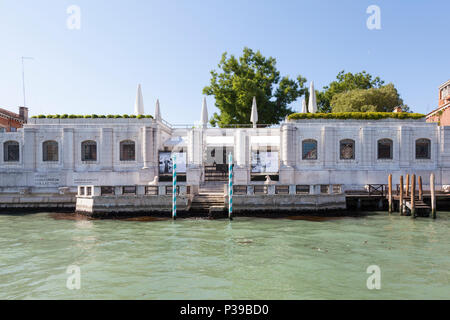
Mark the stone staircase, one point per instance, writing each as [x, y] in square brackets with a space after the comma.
[210, 198]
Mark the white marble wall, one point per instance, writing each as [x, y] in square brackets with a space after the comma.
[151, 136]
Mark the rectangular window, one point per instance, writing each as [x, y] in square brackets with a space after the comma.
[337, 188]
[239, 190]
[385, 149]
[129, 190]
[309, 150]
[347, 150]
[89, 151]
[11, 151]
[324, 188]
[107, 190]
[302, 189]
[50, 151]
[127, 151]
[260, 189]
[151, 190]
[281, 189]
[423, 149]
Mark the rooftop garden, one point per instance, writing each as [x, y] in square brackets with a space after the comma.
[91, 116]
[357, 115]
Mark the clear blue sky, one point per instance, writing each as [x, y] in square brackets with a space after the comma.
[171, 46]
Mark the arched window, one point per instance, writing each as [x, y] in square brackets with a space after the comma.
[50, 151]
[347, 149]
[309, 149]
[11, 151]
[89, 151]
[423, 149]
[127, 150]
[385, 149]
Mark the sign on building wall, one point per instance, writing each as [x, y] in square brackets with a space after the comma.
[264, 161]
[46, 179]
[166, 165]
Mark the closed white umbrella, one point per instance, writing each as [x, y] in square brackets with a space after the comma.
[254, 114]
[139, 105]
[312, 105]
[204, 116]
[304, 107]
[157, 111]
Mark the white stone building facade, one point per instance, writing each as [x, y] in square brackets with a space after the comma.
[48, 154]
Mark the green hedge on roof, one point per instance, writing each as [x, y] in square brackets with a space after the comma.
[356, 115]
[90, 116]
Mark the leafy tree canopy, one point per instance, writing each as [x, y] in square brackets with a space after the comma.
[382, 99]
[345, 82]
[251, 75]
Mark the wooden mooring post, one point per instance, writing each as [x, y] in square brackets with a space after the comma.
[390, 193]
[433, 197]
[420, 188]
[413, 195]
[407, 185]
[400, 204]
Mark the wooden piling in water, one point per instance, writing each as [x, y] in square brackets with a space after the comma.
[407, 185]
[420, 188]
[390, 193]
[400, 204]
[413, 195]
[433, 197]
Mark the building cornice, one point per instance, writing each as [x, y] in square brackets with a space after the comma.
[441, 108]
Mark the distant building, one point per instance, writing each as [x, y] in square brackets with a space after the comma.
[441, 115]
[10, 121]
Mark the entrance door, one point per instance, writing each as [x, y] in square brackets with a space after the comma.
[216, 163]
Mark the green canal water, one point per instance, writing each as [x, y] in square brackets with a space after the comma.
[248, 258]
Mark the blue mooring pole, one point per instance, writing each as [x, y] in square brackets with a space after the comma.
[230, 186]
[174, 188]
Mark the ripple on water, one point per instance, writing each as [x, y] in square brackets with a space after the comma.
[248, 258]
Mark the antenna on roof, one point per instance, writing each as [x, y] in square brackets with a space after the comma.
[23, 79]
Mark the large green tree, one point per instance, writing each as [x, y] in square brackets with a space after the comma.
[251, 75]
[383, 99]
[345, 82]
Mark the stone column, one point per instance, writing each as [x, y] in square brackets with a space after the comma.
[107, 149]
[29, 149]
[287, 145]
[241, 150]
[147, 146]
[195, 154]
[68, 149]
[287, 151]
